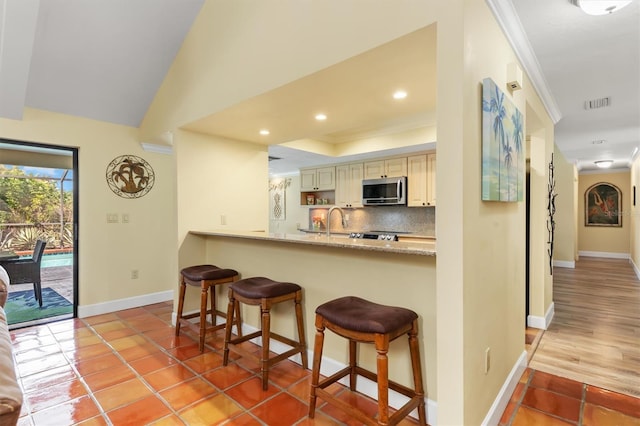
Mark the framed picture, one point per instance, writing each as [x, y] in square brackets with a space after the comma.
[503, 153]
[602, 203]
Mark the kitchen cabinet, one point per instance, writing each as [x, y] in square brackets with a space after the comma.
[349, 185]
[394, 167]
[421, 176]
[320, 179]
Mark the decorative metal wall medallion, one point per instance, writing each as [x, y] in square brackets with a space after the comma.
[129, 176]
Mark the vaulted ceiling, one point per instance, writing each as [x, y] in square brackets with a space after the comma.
[105, 59]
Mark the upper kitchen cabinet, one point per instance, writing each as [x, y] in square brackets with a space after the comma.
[320, 179]
[349, 185]
[394, 167]
[421, 180]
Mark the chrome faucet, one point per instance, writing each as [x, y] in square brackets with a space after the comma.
[344, 222]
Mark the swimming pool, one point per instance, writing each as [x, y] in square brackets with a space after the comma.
[58, 259]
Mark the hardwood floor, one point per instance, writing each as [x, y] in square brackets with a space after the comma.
[594, 337]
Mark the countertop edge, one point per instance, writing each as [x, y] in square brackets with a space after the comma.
[399, 247]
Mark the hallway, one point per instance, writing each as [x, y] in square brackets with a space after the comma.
[594, 337]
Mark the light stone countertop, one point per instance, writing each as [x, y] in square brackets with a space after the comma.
[421, 248]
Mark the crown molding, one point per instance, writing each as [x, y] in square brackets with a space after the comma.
[505, 14]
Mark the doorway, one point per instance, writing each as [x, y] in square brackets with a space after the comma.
[38, 202]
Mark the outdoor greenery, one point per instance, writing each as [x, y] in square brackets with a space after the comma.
[31, 208]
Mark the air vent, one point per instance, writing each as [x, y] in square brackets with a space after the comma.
[274, 158]
[597, 103]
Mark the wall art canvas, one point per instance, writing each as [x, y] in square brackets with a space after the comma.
[503, 153]
[602, 203]
[277, 194]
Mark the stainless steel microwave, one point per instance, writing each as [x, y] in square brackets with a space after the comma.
[384, 191]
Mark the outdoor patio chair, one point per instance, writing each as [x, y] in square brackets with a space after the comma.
[22, 271]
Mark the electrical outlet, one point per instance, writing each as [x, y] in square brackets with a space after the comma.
[223, 219]
[112, 217]
[134, 274]
[487, 360]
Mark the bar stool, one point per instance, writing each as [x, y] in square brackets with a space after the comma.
[206, 277]
[265, 293]
[359, 320]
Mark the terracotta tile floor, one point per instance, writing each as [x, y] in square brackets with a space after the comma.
[544, 399]
[127, 368]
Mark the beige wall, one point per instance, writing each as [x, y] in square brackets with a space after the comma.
[605, 239]
[490, 258]
[108, 252]
[566, 204]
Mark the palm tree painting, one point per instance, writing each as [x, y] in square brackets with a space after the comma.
[502, 146]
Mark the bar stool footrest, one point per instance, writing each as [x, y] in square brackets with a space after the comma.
[395, 418]
[282, 339]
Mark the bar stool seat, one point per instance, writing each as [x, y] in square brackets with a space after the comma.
[265, 293]
[360, 320]
[206, 277]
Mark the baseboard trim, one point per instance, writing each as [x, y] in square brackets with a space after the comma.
[609, 255]
[565, 263]
[507, 389]
[635, 267]
[542, 322]
[367, 387]
[121, 304]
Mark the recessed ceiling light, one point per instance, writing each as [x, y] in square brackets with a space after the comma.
[321, 117]
[598, 142]
[264, 132]
[399, 94]
[604, 164]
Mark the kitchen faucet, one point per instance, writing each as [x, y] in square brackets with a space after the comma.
[344, 222]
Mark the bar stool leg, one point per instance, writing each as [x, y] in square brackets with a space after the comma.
[266, 338]
[416, 365]
[204, 294]
[382, 347]
[301, 339]
[227, 332]
[315, 369]
[183, 289]
[238, 320]
[353, 357]
[214, 310]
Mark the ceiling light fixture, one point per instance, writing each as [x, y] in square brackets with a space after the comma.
[321, 117]
[604, 164]
[264, 132]
[399, 94]
[600, 7]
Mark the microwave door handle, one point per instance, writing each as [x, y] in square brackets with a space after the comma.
[399, 189]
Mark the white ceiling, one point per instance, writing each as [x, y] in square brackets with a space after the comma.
[105, 59]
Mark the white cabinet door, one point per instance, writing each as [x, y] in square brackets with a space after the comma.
[321, 179]
[349, 185]
[431, 179]
[417, 180]
[307, 180]
[326, 178]
[374, 169]
[394, 167]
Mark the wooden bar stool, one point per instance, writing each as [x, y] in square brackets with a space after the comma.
[206, 277]
[265, 293]
[359, 320]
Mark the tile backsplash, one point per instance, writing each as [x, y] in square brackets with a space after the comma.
[415, 220]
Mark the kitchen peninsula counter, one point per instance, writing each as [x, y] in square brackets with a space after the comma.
[393, 273]
[426, 247]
